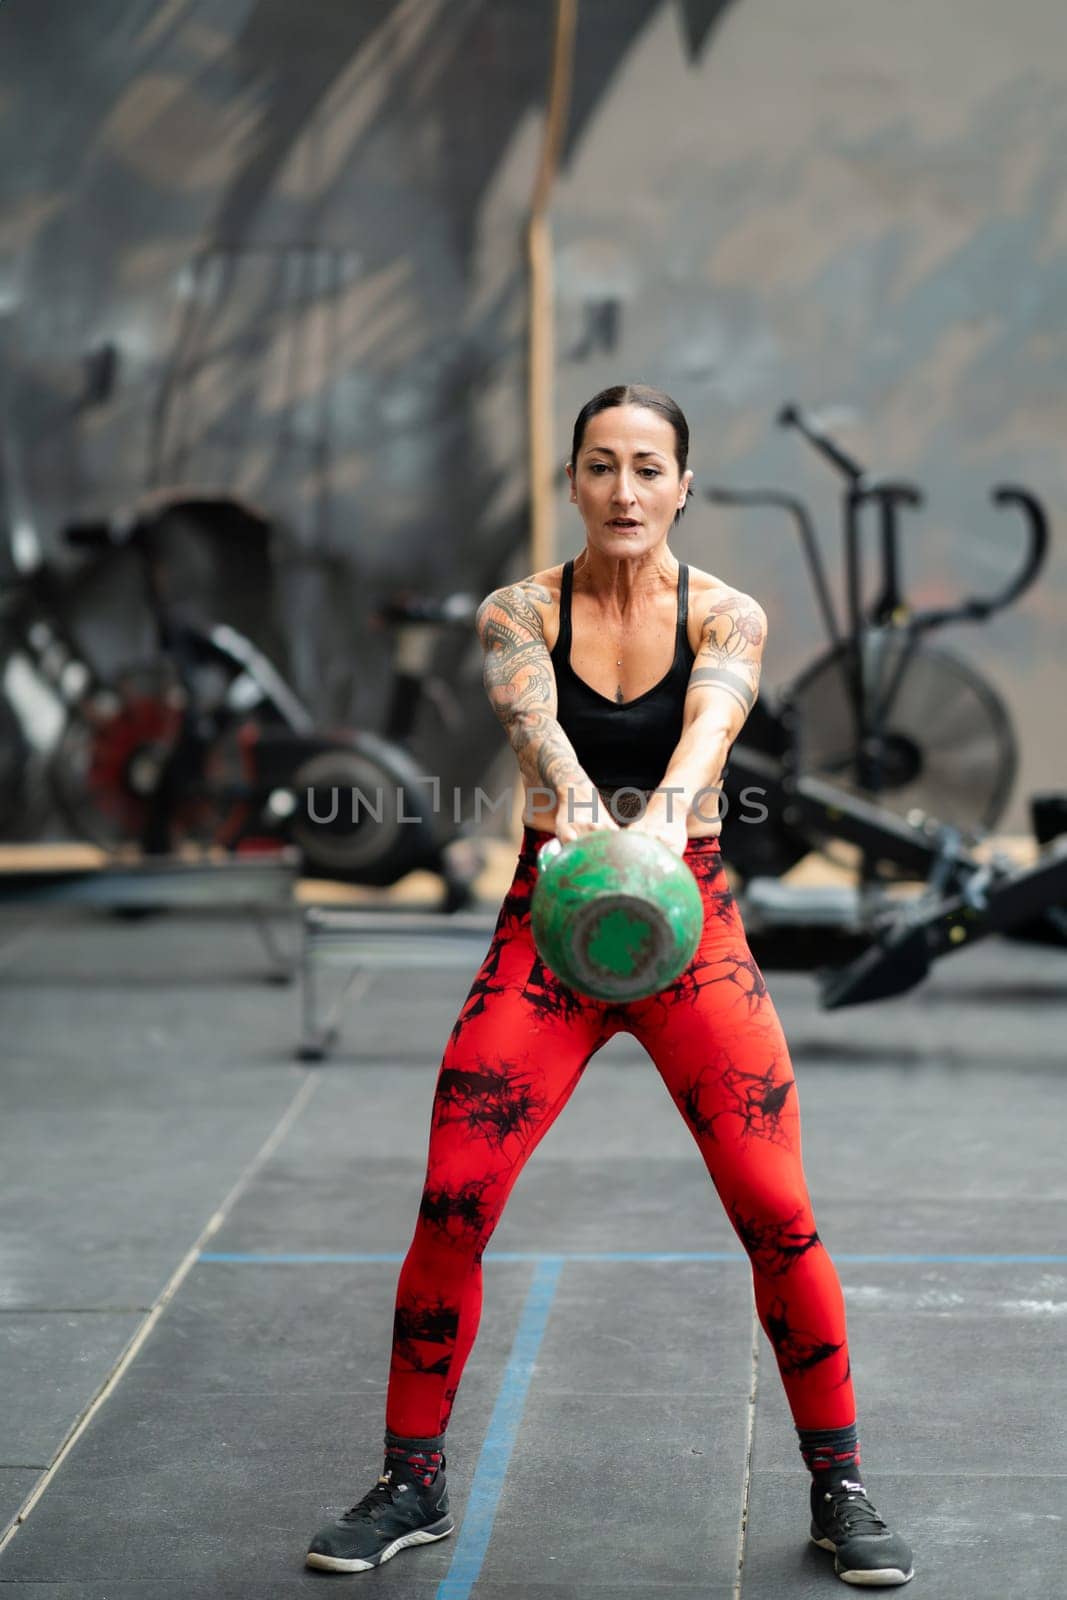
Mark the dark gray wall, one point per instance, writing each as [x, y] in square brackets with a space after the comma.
[302, 229]
[859, 206]
[278, 214]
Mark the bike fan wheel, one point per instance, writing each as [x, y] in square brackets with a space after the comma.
[109, 756]
[944, 744]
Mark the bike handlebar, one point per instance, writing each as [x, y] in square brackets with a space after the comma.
[799, 512]
[893, 493]
[791, 416]
[1005, 494]
[978, 607]
[719, 495]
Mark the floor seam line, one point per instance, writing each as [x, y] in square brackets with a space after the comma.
[309, 1082]
[491, 1468]
[74, 1311]
[934, 1472]
[750, 1434]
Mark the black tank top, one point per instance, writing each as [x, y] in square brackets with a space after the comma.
[627, 744]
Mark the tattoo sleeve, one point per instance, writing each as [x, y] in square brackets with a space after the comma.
[521, 685]
[728, 661]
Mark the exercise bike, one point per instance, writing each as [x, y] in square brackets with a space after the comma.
[205, 744]
[857, 784]
[882, 714]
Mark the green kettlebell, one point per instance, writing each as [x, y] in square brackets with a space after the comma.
[615, 915]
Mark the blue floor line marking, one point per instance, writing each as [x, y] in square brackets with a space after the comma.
[322, 1259]
[489, 1474]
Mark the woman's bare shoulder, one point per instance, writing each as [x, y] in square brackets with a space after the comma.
[543, 588]
[711, 596]
[707, 590]
[532, 601]
[540, 588]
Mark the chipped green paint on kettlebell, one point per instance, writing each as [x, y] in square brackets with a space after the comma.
[615, 915]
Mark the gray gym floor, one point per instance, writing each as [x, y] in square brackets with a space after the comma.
[199, 1248]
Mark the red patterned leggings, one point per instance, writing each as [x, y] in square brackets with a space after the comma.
[514, 1057]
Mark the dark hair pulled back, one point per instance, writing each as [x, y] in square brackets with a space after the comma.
[635, 394]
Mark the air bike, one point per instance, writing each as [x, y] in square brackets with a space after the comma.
[891, 752]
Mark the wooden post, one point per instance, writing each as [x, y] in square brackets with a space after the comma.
[541, 361]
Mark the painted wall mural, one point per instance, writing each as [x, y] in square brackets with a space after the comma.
[280, 250]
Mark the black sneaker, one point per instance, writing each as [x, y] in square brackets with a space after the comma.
[397, 1512]
[865, 1550]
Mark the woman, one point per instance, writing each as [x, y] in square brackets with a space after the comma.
[576, 667]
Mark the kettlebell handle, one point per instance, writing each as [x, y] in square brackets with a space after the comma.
[548, 853]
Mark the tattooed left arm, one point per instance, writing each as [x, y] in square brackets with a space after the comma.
[723, 686]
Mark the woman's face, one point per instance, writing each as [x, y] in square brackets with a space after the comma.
[625, 481]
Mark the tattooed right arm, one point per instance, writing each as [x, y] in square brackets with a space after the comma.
[521, 686]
